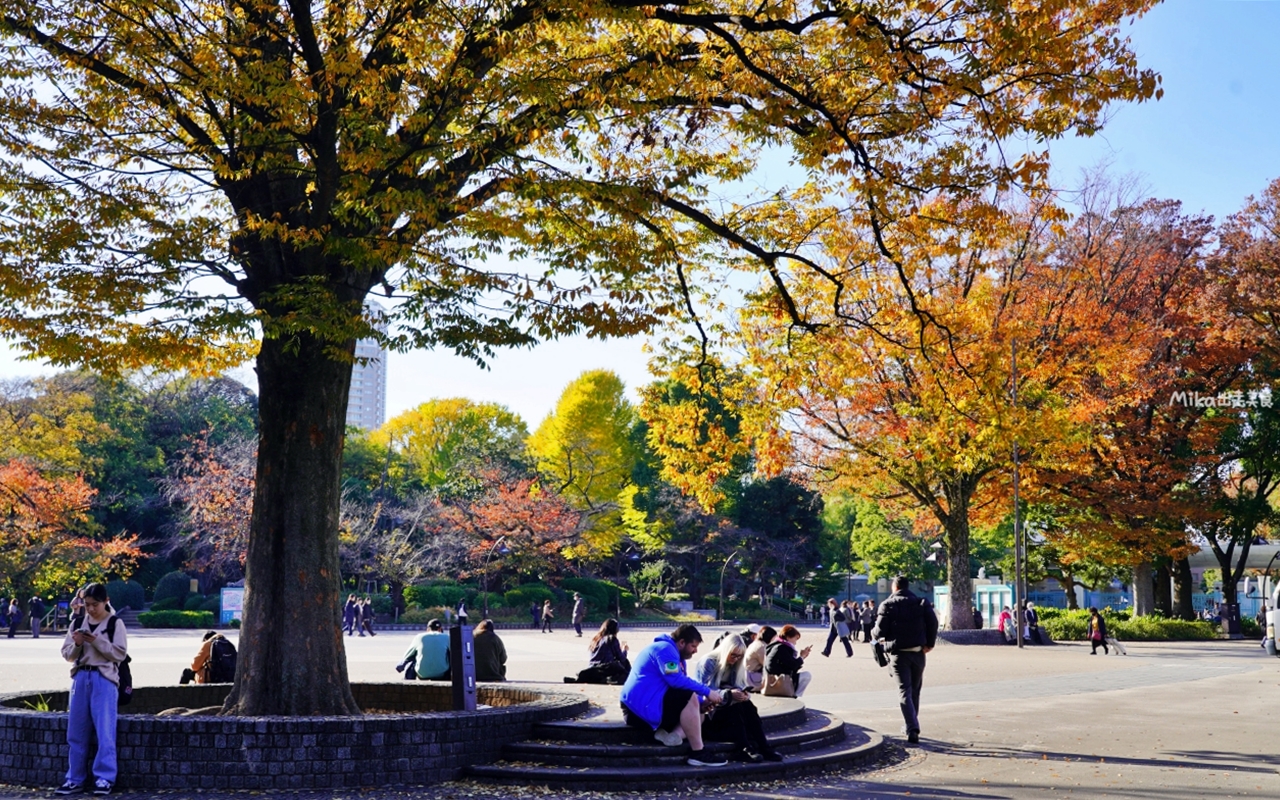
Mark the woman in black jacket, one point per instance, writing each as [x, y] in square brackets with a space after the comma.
[608, 662]
[783, 658]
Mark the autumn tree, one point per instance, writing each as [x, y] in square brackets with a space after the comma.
[443, 445]
[189, 182]
[585, 452]
[48, 542]
[212, 485]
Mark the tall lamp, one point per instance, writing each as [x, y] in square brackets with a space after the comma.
[727, 562]
[484, 614]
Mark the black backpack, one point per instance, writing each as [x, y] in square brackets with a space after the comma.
[222, 661]
[125, 687]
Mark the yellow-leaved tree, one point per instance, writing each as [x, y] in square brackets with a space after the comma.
[197, 182]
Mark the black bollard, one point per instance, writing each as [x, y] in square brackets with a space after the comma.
[462, 666]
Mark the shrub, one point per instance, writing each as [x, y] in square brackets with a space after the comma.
[165, 604]
[126, 594]
[174, 584]
[600, 595]
[212, 603]
[423, 595]
[450, 596]
[382, 604]
[176, 619]
[1250, 628]
[495, 600]
[193, 602]
[235, 623]
[522, 596]
[1074, 626]
[421, 616]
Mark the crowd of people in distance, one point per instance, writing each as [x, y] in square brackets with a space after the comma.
[357, 615]
[12, 615]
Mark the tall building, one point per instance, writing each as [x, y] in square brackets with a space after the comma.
[367, 403]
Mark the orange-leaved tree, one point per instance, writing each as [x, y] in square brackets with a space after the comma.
[47, 539]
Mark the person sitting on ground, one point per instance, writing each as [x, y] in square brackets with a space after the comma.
[490, 652]
[661, 697]
[782, 662]
[1007, 628]
[215, 661]
[608, 663]
[736, 720]
[430, 652]
[754, 658]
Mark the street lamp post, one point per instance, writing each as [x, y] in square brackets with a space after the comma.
[727, 562]
[484, 614]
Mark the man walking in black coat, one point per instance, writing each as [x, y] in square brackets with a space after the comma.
[908, 627]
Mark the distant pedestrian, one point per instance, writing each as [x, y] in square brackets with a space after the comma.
[547, 616]
[977, 620]
[579, 613]
[349, 613]
[1097, 633]
[462, 612]
[15, 616]
[366, 616]
[908, 626]
[37, 609]
[839, 629]
[535, 614]
[868, 619]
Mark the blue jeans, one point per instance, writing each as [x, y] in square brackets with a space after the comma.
[92, 708]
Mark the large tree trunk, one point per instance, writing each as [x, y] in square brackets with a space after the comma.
[1164, 589]
[958, 581]
[1182, 589]
[292, 659]
[1143, 590]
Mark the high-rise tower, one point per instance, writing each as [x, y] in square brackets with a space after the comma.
[367, 403]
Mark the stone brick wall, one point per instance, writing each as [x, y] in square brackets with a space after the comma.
[428, 745]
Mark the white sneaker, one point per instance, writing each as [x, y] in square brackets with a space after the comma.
[669, 738]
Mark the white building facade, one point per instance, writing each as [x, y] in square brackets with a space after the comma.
[367, 402]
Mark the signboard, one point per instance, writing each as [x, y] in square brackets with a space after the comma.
[232, 604]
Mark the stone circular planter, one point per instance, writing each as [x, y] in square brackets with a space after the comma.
[421, 741]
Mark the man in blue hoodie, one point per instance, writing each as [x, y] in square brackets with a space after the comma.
[660, 696]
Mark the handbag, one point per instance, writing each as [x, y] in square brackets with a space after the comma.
[882, 658]
[779, 686]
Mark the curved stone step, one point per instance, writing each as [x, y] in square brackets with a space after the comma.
[776, 714]
[858, 746]
[820, 730]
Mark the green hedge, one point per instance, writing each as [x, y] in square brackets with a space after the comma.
[167, 604]
[1074, 625]
[430, 595]
[126, 594]
[174, 584]
[193, 602]
[600, 595]
[176, 619]
[523, 596]
[212, 603]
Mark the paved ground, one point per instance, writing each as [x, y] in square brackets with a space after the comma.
[1167, 721]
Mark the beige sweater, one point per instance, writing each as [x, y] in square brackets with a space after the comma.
[101, 653]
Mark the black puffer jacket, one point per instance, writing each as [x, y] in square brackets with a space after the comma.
[906, 620]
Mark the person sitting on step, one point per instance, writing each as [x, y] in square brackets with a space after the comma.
[660, 696]
[754, 659]
[736, 720]
[782, 662]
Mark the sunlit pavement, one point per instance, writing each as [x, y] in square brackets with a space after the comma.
[1185, 720]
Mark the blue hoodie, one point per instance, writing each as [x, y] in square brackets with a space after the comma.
[658, 667]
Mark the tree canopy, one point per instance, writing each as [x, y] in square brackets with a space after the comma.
[180, 177]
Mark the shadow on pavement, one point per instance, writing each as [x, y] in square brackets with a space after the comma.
[1212, 760]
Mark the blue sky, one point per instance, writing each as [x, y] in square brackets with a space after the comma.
[1213, 140]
